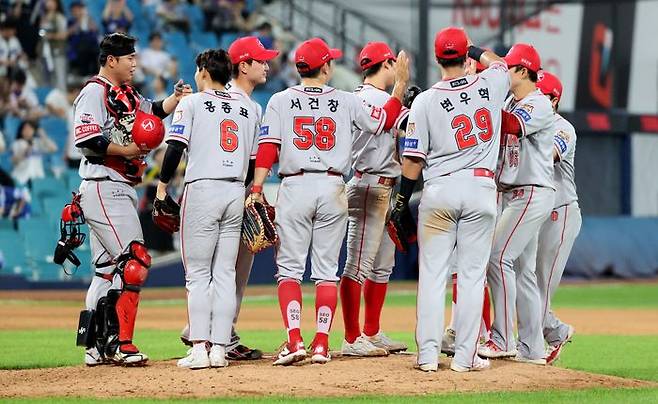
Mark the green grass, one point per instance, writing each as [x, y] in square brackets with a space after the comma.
[594, 396]
[625, 356]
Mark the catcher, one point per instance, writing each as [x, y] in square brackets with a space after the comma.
[212, 204]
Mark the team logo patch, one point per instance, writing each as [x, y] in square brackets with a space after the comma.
[526, 107]
[264, 131]
[523, 114]
[176, 129]
[410, 143]
[517, 193]
[376, 112]
[554, 215]
[458, 83]
[411, 128]
[178, 115]
[148, 125]
[86, 118]
[86, 129]
[560, 143]
[564, 135]
[316, 90]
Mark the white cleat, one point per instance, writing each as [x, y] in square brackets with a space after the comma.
[492, 351]
[522, 359]
[553, 353]
[320, 354]
[478, 364]
[448, 342]
[93, 357]
[362, 347]
[289, 355]
[428, 367]
[383, 341]
[217, 356]
[197, 359]
[130, 358]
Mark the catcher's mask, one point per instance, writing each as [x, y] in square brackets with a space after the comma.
[71, 235]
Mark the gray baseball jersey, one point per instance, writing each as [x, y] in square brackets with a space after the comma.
[220, 133]
[91, 118]
[452, 124]
[528, 159]
[376, 154]
[314, 127]
[233, 88]
[564, 138]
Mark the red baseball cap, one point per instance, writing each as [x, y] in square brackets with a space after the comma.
[250, 47]
[315, 52]
[524, 55]
[549, 84]
[450, 43]
[373, 53]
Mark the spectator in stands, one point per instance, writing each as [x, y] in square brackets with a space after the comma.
[157, 62]
[11, 51]
[82, 51]
[173, 16]
[5, 90]
[53, 34]
[60, 104]
[222, 16]
[23, 102]
[117, 17]
[265, 35]
[14, 202]
[27, 152]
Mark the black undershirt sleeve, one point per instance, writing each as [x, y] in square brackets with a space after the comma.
[250, 172]
[97, 144]
[171, 160]
[158, 110]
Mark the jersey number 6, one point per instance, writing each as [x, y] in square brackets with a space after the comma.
[228, 137]
[464, 125]
[324, 137]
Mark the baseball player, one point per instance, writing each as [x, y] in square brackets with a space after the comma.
[250, 66]
[309, 127]
[212, 202]
[104, 116]
[525, 178]
[453, 136]
[559, 231]
[370, 251]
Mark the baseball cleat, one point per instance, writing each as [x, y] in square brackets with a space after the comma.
[478, 364]
[553, 353]
[523, 359]
[383, 341]
[491, 350]
[362, 347]
[243, 353]
[290, 354]
[197, 359]
[93, 357]
[428, 367]
[217, 356]
[320, 354]
[129, 355]
[448, 342]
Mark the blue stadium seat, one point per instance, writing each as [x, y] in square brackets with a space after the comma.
[57, 129]
[204, 40]
[227, 39]
[174, 41]
[261, 97]
[11, 126]
[13, 251]
[42, 93]
[45, 187]
[197, 20]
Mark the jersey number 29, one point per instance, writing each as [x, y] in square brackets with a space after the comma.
[228, 137]
[324, 137]
[464, 125]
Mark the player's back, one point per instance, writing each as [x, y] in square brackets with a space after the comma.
[219, 130]
[458, 122]
[313, 126]
[564, 176]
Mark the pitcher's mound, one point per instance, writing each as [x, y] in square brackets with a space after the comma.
[393, 375]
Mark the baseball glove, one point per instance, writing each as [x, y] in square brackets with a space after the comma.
[401, 226]
[410, 95]
[166, 214]
[258, 231]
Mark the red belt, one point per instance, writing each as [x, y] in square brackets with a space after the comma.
[302, 173]
[481, 172]
[388, 181]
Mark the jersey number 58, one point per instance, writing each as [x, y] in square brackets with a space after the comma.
[464, 125]
[324, 137]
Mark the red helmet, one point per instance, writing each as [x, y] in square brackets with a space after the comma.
[450, 43]
[524, 55]
[549, 84]
[148, 130]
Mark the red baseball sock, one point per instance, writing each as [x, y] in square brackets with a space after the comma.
[350, 300]
[290, 302]
[486, 311]
[374, 295]
[454, 288]
[326, 297]
[126, 310]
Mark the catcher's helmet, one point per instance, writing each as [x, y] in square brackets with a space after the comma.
[148, 130]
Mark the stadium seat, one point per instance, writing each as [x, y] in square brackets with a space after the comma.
[204, 40]
[10, 128]
[261, 97]
[42, 93]
[197, 20]
[45, 187]
[57, 129]
[13, 251]
[227, 39]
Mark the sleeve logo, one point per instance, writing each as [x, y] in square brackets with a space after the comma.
[264, 131]
[411, 128]
[523, 114]
[177, 129]
[86, 129]
[376, 112]
[178, 115]
[86, 117]
[560, 143]
[410, 143]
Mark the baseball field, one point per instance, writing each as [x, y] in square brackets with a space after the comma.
[612, 358]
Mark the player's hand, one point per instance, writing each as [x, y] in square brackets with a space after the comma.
[181, 89]
[471, 66]
[402, 69]
[254, 197]
[131, 150]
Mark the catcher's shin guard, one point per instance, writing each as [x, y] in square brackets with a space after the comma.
[107, 324]
[134, 270]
